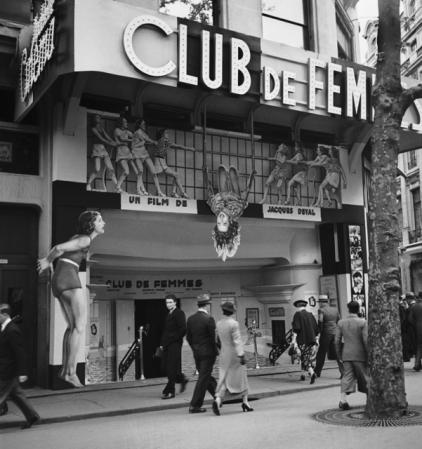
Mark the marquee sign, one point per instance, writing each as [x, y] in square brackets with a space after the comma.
[287, 212]
[158, 204]
[354, 92]
[41, 49]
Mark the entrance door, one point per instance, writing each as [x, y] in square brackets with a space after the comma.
[18, 279]
[151, 314]
[278, 331]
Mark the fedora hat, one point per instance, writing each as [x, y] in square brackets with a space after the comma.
[323, 298]
[300, 303]
[228, 306]
[203, 299]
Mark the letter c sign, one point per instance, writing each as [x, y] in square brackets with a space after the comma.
[130, 29]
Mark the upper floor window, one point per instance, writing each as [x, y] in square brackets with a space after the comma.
[411, 7]
[413, 46]
[411, 161]
[203, 11]
[286, 22]
[344, 36]
[417, 215]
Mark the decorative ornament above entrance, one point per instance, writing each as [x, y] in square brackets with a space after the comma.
[227, 205]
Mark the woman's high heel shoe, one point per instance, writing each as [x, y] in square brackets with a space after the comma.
[246, 408]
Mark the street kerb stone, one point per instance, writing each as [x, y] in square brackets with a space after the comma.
[356, 417]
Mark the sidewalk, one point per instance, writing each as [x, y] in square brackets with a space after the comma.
[143, 396]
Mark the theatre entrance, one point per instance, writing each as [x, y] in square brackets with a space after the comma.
[151, 314]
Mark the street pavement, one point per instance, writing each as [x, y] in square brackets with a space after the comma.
[120, 399]
[282, 419]
[145, 396]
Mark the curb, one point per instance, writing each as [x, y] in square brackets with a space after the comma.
[154, 408]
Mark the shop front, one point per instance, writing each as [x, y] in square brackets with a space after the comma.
[275, 133]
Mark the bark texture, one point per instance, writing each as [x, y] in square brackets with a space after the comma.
[386, 396]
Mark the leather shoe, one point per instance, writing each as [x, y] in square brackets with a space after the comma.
[4, 409]
[183, 385]
[34, 420]
[313, 377]
[343, 406]
[167, 396]
[215, 408]
[197, 410]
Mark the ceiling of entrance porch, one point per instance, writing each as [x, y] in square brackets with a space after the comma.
[161, 241]
[140, 93]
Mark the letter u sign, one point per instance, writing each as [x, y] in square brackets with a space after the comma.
[130, 29]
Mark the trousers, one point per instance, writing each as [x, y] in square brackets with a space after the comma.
[11, 389]
[206, 382]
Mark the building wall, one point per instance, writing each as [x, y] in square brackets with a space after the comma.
[139, 236]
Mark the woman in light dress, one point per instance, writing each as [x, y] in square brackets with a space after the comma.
[233, 379]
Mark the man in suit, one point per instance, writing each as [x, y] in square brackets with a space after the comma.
[171, 344]
[202, 339]
[328, 317]
[12, 368]
[415, 320]
[353, 331]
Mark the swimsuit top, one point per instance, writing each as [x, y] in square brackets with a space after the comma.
[139, 139]
[95, 139]
[160, 150]
[76, 256]
[229, 203]
[122, 134]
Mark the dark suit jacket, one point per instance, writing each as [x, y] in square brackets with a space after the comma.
[201, 335]
[174, 328]
[12, 354]
[415, 319]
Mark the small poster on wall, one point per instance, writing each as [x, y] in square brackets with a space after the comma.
[6, 152]
[356, 266]
[328, 286]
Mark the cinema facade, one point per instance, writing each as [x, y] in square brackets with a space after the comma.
[231, 97]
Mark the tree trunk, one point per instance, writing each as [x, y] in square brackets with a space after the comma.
[386, 395]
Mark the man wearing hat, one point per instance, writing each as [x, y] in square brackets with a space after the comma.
[328, 317]
[305, 337]
[171, 344]
[202, 339]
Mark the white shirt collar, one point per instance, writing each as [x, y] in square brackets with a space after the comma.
[200, 309]
[5, 323]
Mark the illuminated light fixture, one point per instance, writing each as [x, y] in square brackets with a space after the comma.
[205, 68]
[313, 83]
[130, 29]
[238, 64]
[333, 88]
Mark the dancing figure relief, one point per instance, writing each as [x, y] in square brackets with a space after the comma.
[100, 141]
[228, 205]
[280, 173]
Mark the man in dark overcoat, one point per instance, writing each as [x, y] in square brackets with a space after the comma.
[171, 344]
[415, 320]
[13, 368]
[201, 337]
[328, 317]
